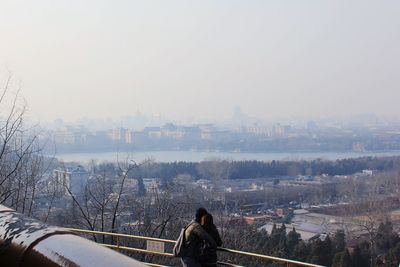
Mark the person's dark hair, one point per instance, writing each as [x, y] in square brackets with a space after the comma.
[200, 212]
[208, 220]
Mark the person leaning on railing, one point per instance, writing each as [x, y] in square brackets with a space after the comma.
[208, 256]
[195, 236]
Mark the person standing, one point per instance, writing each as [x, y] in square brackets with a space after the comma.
[209, 254]
[195, 237]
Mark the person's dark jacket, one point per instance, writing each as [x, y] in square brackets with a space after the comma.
[209, 253]
[195, 236]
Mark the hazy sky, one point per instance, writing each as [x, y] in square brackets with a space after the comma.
[201, 58]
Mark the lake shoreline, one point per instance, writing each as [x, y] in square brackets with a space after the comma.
[197, 156]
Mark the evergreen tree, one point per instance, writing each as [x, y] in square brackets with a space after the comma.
[338, 242]
[292, 240]
[273, 240]
[342, 259]
[360, 260]
[300, 251]
[385, 237]
[365, 251]
[282, 230]
[282, 250]
[317, 249]
[337, 259]
[346, 259]
[326, 253]
[262, 242]
[393, 256]
[274, 229]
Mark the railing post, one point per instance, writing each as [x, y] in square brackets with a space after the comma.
[118, 243]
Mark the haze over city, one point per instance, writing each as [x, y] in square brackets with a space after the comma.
[186, 59]
[158, 133]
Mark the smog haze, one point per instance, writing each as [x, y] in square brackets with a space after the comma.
[186, 59]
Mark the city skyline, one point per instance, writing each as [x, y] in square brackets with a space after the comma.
[139, 120]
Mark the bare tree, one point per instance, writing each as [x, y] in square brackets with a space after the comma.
[369, 208]
[20, 159]
[102, 199]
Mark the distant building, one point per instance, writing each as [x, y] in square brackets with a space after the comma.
[280, 130]
[153, 132]
[151, 184]
[64, 137]
[217, 136]
[75, 180]
[191, 134]
[172, 131]
[120, 135]
[368, 172]
[261, 219]
[61, 180]
[258, 130]
[204, 184]
[281, 212]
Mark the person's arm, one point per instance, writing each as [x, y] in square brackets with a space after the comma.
[203, 235]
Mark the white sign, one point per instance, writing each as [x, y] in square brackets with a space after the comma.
[155, 246]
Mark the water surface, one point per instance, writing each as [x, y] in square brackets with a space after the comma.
[197, 156]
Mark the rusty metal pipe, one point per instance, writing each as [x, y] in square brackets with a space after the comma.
[25, 242]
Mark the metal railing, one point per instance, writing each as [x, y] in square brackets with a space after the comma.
[119, 236]
[26, 242]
